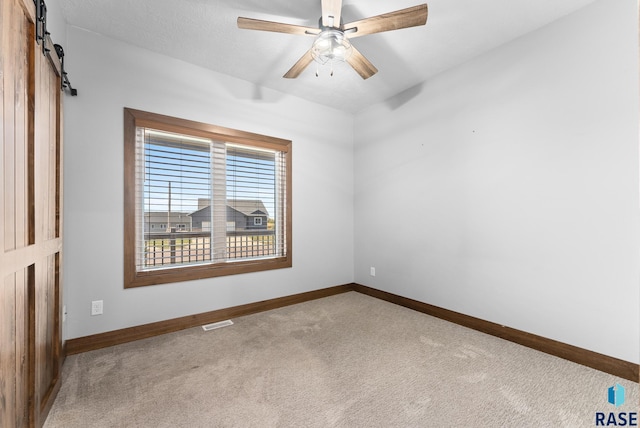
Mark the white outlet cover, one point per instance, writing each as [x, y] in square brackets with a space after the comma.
[96, 307]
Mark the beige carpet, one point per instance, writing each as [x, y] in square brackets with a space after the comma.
[344, 361]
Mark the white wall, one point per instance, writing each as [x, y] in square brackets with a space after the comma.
[110, 75]
[507, 188]
[56, 24]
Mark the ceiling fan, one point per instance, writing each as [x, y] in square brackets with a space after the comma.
[332, 41]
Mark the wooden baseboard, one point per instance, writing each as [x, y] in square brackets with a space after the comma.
[604, 363]
[116, 337]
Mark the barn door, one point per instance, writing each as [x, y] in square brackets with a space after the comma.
[30, 218]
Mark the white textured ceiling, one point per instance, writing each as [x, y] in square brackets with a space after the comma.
[204, 32]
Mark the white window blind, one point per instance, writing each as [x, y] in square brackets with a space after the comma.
[202, 201]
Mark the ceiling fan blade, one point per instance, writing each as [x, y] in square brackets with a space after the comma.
[276, 27]
[299, 66]
[331, 13]
[405, 18]
[361, 64]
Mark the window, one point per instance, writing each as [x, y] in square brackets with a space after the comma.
[206, 182]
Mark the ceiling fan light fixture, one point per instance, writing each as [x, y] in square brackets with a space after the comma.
[331, 45]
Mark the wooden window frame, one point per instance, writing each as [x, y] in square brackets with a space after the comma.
[133, 277]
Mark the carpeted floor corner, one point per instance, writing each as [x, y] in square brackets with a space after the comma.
[343, 361]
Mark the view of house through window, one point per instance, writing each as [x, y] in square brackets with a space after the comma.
[205, 202]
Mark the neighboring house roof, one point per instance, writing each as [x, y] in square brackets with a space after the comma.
[202, 211]
[247, 207]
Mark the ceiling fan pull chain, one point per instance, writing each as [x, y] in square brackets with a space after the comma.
[317, 70]
[331, 68]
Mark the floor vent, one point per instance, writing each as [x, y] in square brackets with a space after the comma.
[215, 325]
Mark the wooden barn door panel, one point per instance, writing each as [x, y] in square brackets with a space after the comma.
[47, 228]
[14, 390]
[16, 93]
[15, 60]
[30, 219]
[47, 344]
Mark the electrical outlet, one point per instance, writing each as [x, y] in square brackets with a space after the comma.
[372, 271]
[96, 307]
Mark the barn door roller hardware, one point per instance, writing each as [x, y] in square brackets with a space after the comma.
[65, 79]
[41, 25]
[42, 37]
